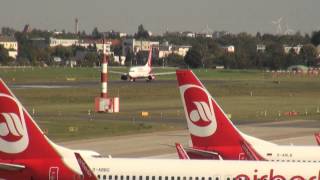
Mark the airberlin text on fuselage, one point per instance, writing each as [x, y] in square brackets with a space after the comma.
[274, 176]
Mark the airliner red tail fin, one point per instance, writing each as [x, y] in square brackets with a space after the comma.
[149, 61]
[208, 124]
[20, 137]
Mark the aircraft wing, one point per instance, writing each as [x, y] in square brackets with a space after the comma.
[163, 73]
[11, 167]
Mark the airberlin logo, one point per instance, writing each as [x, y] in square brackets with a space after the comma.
[199, 110]
[13, 132]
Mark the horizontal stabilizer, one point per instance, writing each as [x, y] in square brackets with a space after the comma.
[317, 136]
[11, 167]
[250, 152]
[181, 152]
[201, 154]
[86, 171]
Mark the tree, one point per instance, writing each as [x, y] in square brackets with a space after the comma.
[315, 39]
[193, 58]
[308, 54]
[142, 33]
[96, 34]
[4, 56]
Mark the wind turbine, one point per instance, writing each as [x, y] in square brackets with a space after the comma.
[288, 30]
[278, 25]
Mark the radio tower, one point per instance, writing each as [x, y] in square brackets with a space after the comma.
[76, 23]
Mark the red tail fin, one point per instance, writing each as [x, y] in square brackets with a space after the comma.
[149, 61]
[209, 126]
[20, 137]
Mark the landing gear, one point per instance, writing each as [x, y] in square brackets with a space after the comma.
[124, 77]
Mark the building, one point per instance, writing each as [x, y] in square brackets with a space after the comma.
[296, 48]
[62, 42]
[261, 48]
[229, 49]
[98, 44]
[135, 46]
[10, 44]
[165, 49]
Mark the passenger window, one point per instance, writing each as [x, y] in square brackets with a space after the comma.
[110, 177]
[184, 178]
[178, 178]
[217, 178]
[160, 177]
[133, 177]
[172, 177]
[121, 177]
[190, 178]
[98, 176]
[197, 178]
[104, 177]
[128, 177]
[153, 178]
[166, 178]
[147, 177]
[202, 178]
[228, 178]
[140, 177]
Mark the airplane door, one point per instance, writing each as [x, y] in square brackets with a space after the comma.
[53, 173]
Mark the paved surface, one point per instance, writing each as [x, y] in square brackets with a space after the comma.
[159, 144]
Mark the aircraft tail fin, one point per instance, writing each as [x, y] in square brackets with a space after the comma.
[208, 125]
[20, 137]
[149, 61]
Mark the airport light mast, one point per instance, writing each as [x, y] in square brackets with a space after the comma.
[104, 103]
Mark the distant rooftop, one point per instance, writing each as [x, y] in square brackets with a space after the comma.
[7, 38]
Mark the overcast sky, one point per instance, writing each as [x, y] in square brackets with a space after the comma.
[158, 15]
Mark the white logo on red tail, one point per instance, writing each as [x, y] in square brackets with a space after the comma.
[13, 132]
[199, 110]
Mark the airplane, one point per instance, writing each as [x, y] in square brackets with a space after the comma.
[141, 72]
[26, 153]
[214, 136]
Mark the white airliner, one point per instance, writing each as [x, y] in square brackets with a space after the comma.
[214, 136]
[141, 72]
[26, 153]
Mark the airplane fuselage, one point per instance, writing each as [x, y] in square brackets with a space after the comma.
[170, 169]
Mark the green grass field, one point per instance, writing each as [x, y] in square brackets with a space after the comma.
[249, 96]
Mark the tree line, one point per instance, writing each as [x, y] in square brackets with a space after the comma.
[205, 52]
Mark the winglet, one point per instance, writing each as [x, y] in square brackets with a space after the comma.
[181, 152]
[317, 136]
[86, 171]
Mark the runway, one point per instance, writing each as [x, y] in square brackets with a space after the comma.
[160, 144]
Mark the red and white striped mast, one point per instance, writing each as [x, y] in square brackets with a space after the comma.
[104, 73]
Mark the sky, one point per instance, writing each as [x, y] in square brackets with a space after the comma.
[158, 16]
